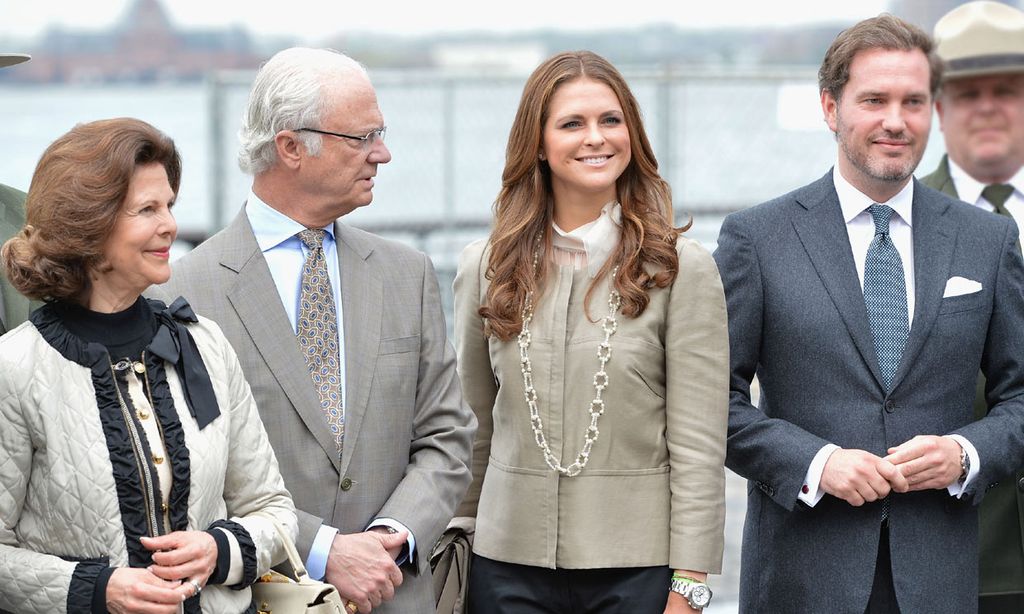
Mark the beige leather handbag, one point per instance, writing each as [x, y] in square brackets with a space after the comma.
[276, 593]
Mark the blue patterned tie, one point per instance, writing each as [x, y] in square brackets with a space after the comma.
[318, 332]
[885, 295]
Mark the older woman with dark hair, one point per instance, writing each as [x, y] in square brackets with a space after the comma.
[135, 473]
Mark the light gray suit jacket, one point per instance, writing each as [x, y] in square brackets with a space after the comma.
[797, 319]
[408, 434]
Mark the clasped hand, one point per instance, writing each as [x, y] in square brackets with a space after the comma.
[362, 566]
[925, 462]
[159, 589]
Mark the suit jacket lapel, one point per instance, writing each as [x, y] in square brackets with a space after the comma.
[822, 231]
[268, 326]
[934, 239]
[944, 180]
[362, 299]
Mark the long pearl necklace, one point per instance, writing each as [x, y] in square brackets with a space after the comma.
[604, 354]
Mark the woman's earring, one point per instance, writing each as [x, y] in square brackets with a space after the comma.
[540, 156]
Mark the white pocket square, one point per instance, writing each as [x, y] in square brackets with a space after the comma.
[959, 286]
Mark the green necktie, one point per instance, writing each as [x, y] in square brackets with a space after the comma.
[998, 194]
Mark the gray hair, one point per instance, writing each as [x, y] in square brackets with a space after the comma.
[290, 92]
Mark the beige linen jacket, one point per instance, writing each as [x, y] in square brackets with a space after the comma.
[653, 491]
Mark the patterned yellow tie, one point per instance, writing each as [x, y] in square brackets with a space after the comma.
[318, 332]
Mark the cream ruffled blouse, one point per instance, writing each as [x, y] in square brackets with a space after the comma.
[590, 244]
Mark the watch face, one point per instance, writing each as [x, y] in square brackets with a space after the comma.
[701, 595]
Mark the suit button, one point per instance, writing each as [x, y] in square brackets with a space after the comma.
[346, 484]
[1020, 484]
[890, 406]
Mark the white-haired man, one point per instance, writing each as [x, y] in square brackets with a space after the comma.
[340, 334]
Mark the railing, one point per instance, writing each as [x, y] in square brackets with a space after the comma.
[725, 139]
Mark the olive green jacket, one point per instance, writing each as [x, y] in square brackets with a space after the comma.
[14, 308]
[1001, 526]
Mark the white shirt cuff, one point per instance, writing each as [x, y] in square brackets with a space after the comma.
[957, 488]
[394, 524]
[316, 562]
[811, 493]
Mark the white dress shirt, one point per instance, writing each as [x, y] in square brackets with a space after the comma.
[285, 255]
[860, 228]
[969, 190]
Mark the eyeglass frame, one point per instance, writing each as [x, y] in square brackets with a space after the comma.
[366, 141]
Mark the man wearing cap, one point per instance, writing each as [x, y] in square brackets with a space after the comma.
[13, 306]
[981, 112]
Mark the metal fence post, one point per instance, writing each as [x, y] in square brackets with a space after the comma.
[218, 177]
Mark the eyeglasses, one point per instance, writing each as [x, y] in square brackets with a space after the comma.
[367, 140]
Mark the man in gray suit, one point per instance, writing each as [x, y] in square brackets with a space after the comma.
[14, 307]
[865, 304]
[340, 334]
[981, 111]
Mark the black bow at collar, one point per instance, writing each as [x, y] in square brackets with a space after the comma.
[174, 343]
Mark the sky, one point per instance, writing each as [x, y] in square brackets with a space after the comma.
[314, 19]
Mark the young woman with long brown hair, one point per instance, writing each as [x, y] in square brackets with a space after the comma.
[592, 346]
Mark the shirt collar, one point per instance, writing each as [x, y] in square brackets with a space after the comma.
[598, 238]
[968, 189]
[270, 226]
[854, 202]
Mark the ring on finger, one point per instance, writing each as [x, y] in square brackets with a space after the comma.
[196, 586]
[351, 607]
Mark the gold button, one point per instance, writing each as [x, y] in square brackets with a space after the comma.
[163, 507]
[142, 414]
[346, 483]
[139, 367]
[158, 459]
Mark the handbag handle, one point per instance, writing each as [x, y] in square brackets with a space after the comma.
[289, 547]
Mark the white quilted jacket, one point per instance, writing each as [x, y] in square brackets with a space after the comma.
[58, 496]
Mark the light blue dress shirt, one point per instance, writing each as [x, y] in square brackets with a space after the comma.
[285, 255]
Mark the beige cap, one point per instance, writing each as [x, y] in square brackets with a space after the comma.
[10, 59]
[981, 38]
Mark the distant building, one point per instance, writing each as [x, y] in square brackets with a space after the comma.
[143, 46]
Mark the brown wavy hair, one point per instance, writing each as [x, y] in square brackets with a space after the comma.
[646, 254]
[77, 192]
